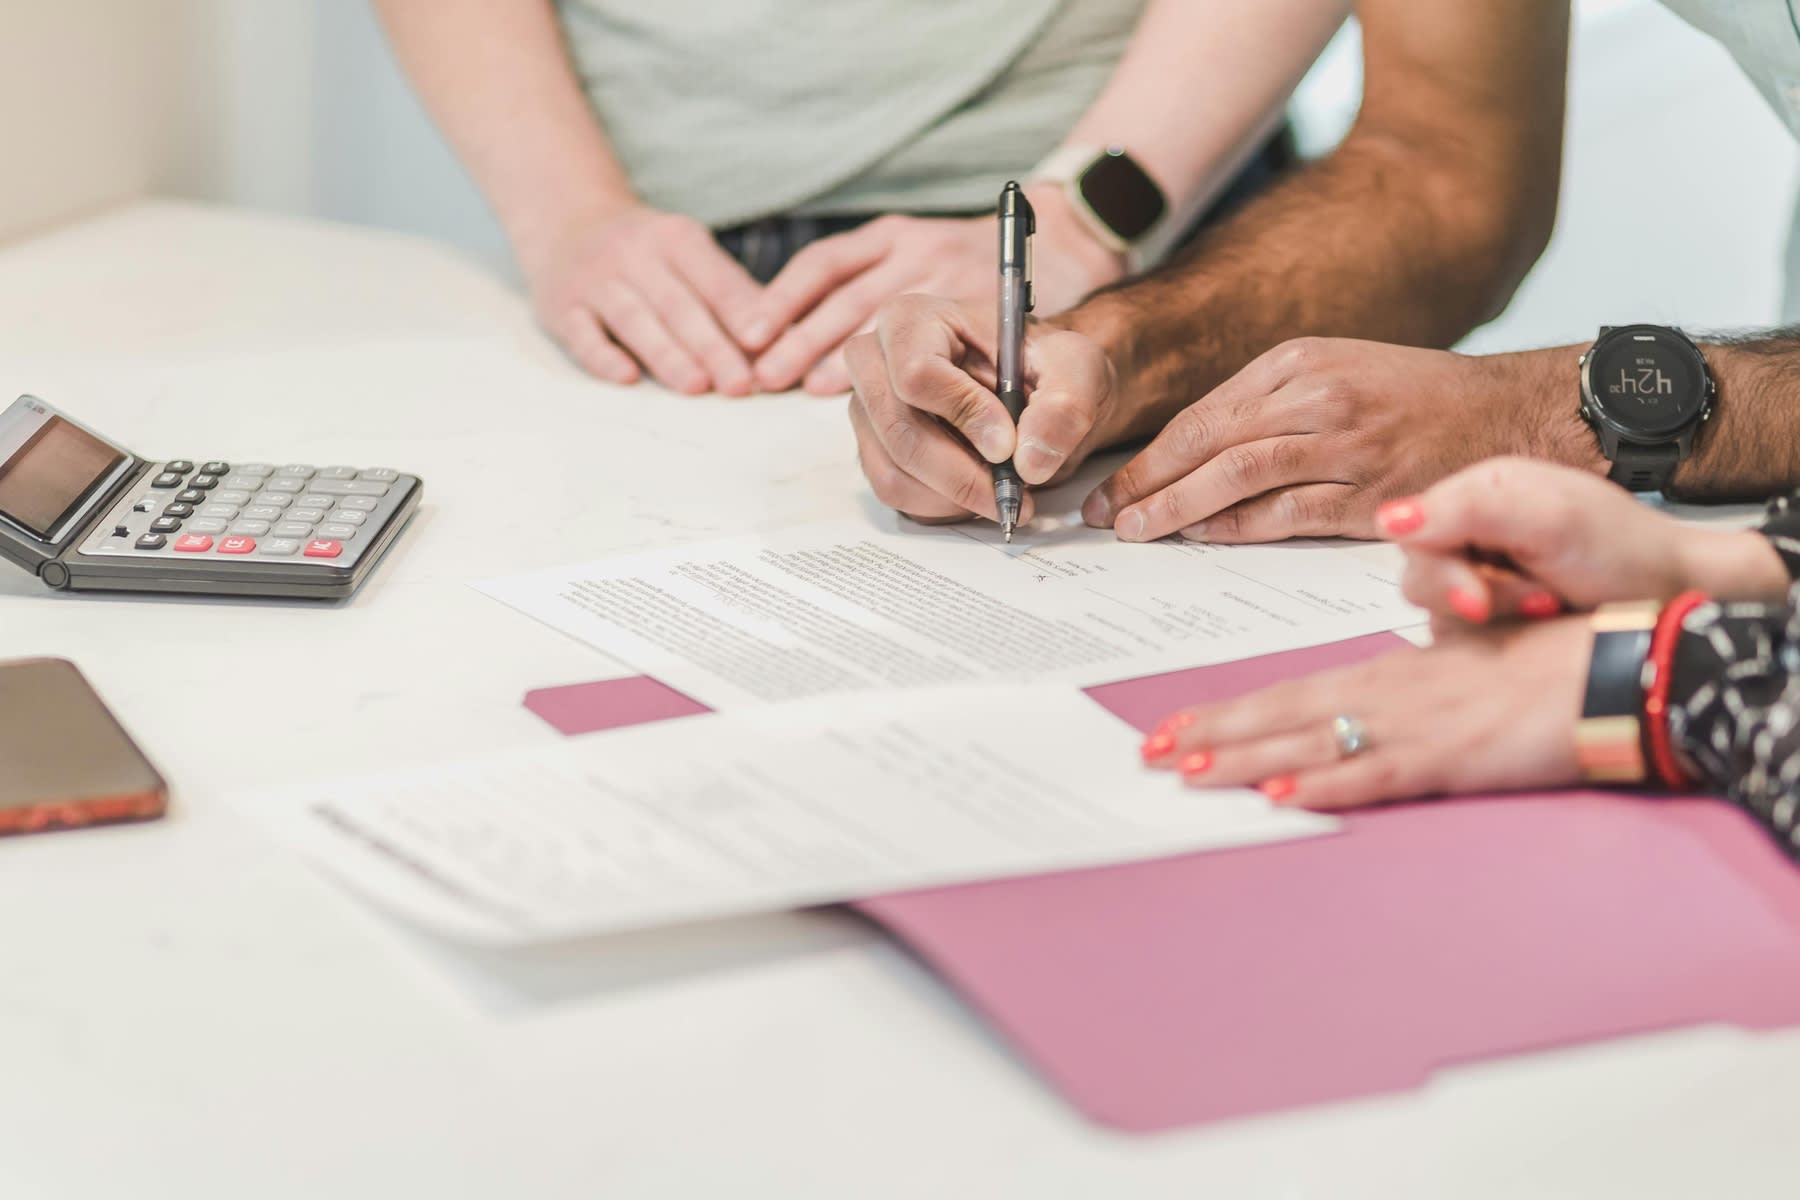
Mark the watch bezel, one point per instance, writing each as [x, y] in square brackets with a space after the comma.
[1116, 159]
[1595, 409]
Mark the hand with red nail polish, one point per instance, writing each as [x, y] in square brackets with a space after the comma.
[1493, 710]
[1518, 538]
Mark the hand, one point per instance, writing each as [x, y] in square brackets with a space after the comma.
[1308, 439]
[1490, 711]
[928, 423]
[832, 290]
[641, 286]
[1516, 537]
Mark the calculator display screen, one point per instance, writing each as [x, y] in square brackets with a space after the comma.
[48, 467]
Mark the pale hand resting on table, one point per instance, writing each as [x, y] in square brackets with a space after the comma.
[833, 289]
[636, 290]
[1513, 537]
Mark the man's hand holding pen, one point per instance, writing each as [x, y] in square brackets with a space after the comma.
[929, 426]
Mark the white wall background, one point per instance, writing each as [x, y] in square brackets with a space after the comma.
[1675, 204]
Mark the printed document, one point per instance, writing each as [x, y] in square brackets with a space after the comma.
[779, 807]
[849, 606]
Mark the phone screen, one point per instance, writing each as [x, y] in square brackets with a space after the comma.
[48, 466]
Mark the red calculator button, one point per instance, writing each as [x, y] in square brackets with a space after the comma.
[323, 548]
[237, 545]
[193, 543]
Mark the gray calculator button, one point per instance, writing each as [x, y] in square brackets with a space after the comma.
[311, 516]
[168, 479]
[292, 529]
[261, 512]
[191, 496]
[250, 528]
[380, 475]
[349, 516]
[165, 525]
[273, 499]
[151, 541]
[259, 470]
[358, 504]
[204, 482]
[223, 512]
[280, 545]
[216, 467]
[295, 471]
[315, 499]
[231, 496]
[341, 533]
[350, 487]
[207, 525]
[241, 482]
[183, 511]
[290, 486]
[180, 466]
[337, 472]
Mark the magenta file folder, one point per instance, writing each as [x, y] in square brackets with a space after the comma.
[1203, 987]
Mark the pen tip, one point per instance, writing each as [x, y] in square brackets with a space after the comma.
[1008, 530]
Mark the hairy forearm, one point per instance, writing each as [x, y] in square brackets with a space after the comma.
[1230, 99]
[1750, 449]
[498, 81]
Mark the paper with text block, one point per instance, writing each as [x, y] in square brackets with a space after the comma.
[848, 607]
[778, 807]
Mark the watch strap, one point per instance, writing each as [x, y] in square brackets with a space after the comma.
[1640, 468]
[1609, 743]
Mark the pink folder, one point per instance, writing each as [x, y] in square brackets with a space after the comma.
[1209, 986]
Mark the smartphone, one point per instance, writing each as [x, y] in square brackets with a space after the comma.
[65, 761]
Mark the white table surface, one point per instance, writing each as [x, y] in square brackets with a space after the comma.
[188, 1011]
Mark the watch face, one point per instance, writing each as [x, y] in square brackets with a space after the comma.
[1122, 195]
[1648, 382]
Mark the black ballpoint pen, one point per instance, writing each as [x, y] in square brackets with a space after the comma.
[1017, 224]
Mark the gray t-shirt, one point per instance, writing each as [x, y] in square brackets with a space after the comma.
[729, 112]
[1764, 36]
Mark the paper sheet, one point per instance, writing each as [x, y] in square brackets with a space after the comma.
[848, 606]
[778, 807]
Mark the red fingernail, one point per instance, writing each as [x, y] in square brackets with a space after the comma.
[1468, 606]
[1180, 720]
[1540, 604]
[1400, 517]
[1196, 763]
[1157, 745]
[1278, 788]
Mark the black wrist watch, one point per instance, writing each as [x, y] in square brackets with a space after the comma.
[1645, 390]
[1114, 197]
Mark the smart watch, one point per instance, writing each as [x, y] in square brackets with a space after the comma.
[1645, 390]
[1609, 742]
[1111, 194]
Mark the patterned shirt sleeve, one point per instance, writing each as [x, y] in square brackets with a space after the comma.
[1734, 710]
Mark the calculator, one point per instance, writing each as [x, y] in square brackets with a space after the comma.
[83, 513]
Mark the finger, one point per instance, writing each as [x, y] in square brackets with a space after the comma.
[1380, 774]
[916, 443]
[1245, 763]
[835, 320]
[635, 324]
[892, 486]
[1241, 409]
[1510, 505]
[924, 342]
[1447, 585]
[1238, 473]
[588, 345]
[1070, 381]
[814, 273]
[830, 377]
[724, 286]
[1310, 510]
[1283, 708]
[685, 315]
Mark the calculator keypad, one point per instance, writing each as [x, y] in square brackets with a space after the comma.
[252, 510]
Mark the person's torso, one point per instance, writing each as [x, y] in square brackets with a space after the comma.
[727, 112]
